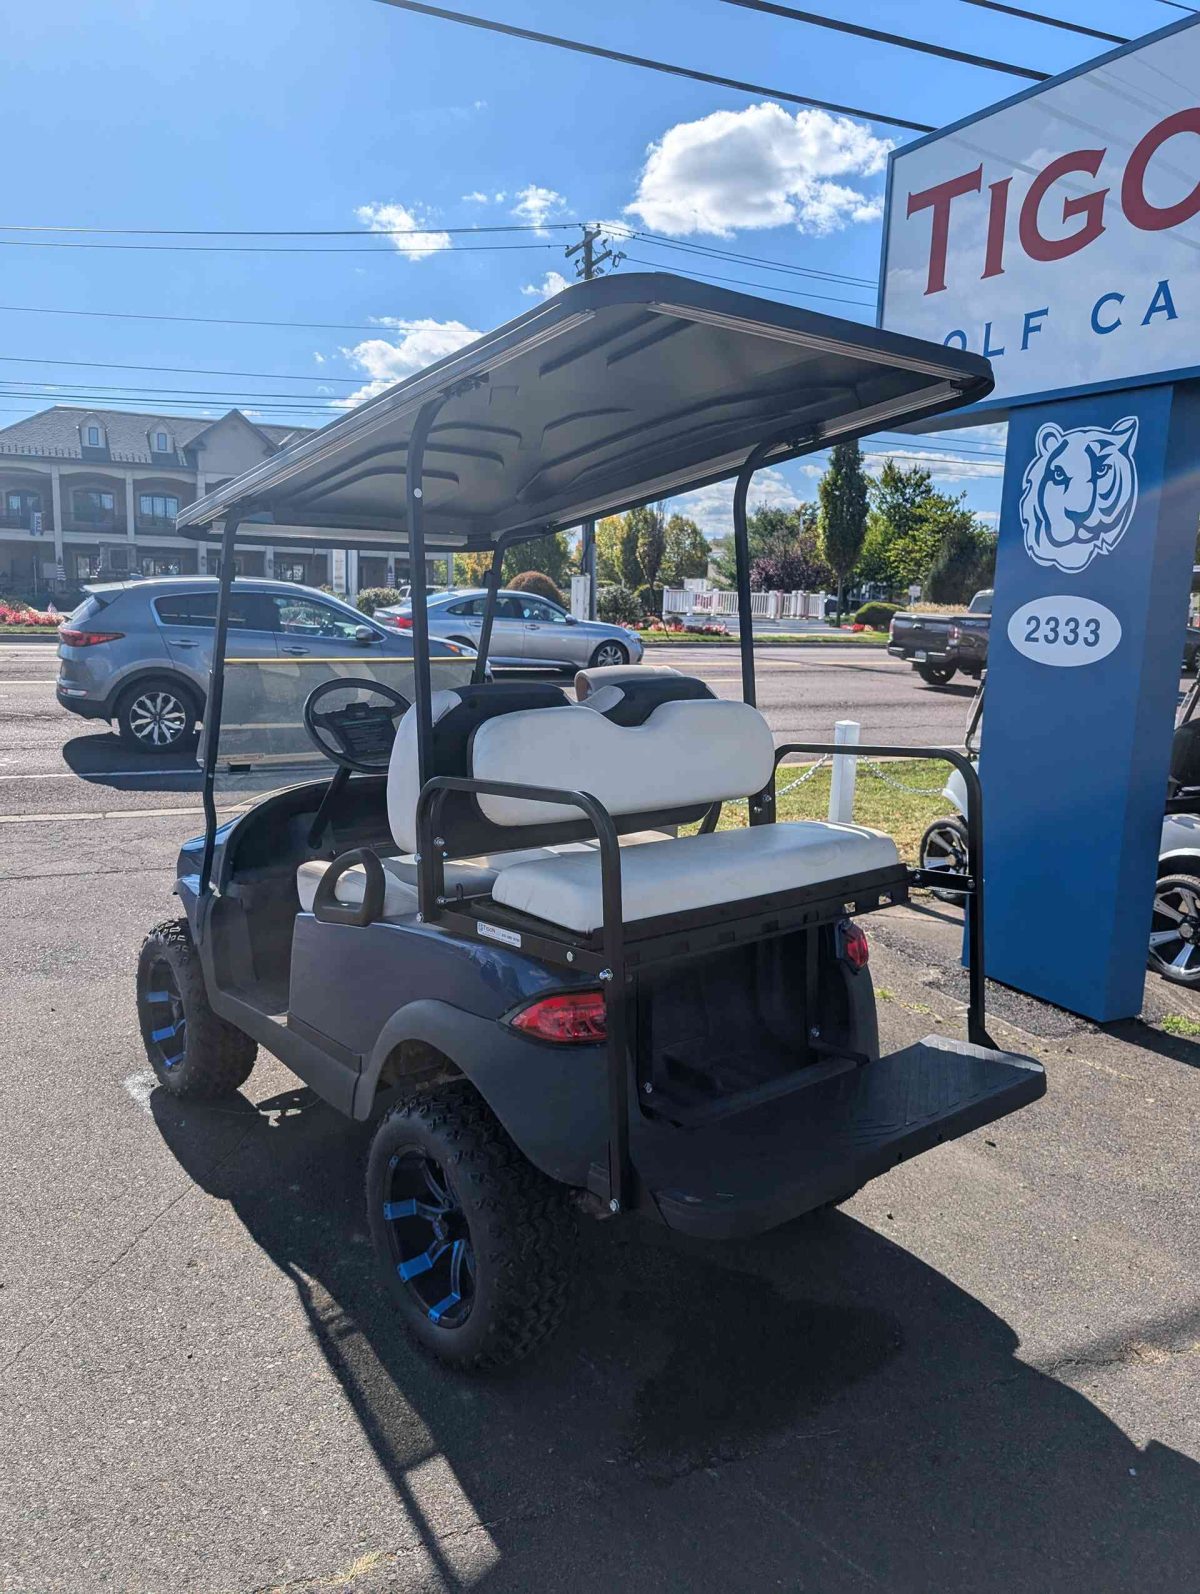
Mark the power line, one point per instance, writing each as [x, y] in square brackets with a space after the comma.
[264, 249]
[1049, 22]
[770, 287]
[689, 246]
[465, 18]
[173, 370]
[292, 232]
[900, 40]
[218, 321]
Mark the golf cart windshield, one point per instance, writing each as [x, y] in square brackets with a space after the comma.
[263, 742]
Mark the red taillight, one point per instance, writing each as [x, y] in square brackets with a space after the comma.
[572, 1018]
[86, 639]
[854, 946]
[401, 622]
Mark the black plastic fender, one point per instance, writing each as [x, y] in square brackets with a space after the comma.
[551, 1099]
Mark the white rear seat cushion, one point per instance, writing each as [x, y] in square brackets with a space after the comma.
[694, 871]
[684, 755]
[404, 785]
[400, 874]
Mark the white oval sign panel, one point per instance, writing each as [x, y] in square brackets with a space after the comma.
[1064, 630]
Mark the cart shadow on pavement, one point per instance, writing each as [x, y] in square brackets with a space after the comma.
[101, 759]
[832, 1410]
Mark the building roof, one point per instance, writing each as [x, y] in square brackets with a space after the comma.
[55, 434]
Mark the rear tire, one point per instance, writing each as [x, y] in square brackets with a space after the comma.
[156, 715]
[480, 1274]
[944, 846]
[936, 674]
[195, 1054]
[609, 653]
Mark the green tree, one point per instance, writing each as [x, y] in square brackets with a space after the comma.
[843, 495]
[770, 534]
[617, 562]
[651, 544]
[874, 564]
[965, 560]
[551, 555]
[687, 551]
[937, 518]
[471, 569]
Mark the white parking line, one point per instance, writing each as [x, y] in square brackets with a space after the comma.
[113, 813]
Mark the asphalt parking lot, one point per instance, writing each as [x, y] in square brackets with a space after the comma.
[981, 1374]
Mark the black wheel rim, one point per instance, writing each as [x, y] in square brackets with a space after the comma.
[166, 1030]
[157, 718]
[429, 1238]
[1175, 931]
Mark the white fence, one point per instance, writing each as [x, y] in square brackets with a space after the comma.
[764, 605]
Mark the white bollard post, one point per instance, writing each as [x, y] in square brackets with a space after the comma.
[845, 772]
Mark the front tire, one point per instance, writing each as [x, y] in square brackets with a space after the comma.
[609, 653]
[1175, 929]
[936, 674]
[156, 716]
[476, 1243]
[195, 1054]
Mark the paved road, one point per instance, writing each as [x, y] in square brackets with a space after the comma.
[983, 1374]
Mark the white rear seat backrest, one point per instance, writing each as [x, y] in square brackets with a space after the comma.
[685, 754]
[404, 784]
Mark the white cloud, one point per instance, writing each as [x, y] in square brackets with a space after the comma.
[553, 282]
[943, 467]
[535, 203]
[402, 222]
[761, 167]
[386, 363]
[475, 198]
[712, 507]
[318, 357]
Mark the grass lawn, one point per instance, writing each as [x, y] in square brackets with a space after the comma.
[48, 631]
[903, 815]
[762, 639]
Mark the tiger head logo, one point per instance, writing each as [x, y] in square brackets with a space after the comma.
[1079, 493]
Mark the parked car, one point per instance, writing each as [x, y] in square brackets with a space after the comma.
[139, 652]
[527, 630]
[939, 645]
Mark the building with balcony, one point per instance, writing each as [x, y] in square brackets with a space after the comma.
[88, 493]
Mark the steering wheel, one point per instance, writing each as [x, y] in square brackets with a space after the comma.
[357, 736]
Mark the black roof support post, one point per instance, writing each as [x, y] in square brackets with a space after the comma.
[741, 548]
[489, 612]
[414, 495]
[216, 692]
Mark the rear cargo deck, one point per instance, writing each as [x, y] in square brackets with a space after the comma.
[820, 1143]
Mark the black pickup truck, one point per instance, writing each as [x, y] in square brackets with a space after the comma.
[939, 645]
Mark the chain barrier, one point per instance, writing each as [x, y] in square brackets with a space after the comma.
[808, 774]
[898, 785]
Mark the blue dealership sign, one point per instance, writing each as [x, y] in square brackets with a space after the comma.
[1097, 536]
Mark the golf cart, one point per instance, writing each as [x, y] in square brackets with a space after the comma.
[484, 918]
[1174, 950]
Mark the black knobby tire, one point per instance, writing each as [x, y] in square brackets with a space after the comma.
[944, 846]
[505, 1251]
[156, 715]
[194, 1053]
[1175, 929]
[609, 653]
[936, 674]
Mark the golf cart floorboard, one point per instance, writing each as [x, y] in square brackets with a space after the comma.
[761, 1167]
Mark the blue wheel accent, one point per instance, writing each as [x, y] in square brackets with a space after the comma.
[170, 1026]
[170, 1062]
[430, 1241]
[157, 996]
[165, 1033]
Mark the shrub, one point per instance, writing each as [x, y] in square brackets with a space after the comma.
[540, 584]
[618, 606]
[876, 616]
[372, 598]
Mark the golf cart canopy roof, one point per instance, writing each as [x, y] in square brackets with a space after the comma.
[614, 393]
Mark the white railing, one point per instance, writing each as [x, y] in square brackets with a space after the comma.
[764, 605]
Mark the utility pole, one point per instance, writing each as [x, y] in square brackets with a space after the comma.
[587, 269]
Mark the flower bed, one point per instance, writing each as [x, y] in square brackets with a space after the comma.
[18, 614]
[676, 627]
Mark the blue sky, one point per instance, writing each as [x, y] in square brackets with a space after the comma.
[333, 114]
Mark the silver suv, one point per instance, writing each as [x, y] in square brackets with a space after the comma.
[139, 652]
[527, 629]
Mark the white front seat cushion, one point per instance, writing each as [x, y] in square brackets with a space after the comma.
[693, 872]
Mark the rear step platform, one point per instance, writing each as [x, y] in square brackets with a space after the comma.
[759, 1168]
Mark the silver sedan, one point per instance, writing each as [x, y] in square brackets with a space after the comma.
[527, 630]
